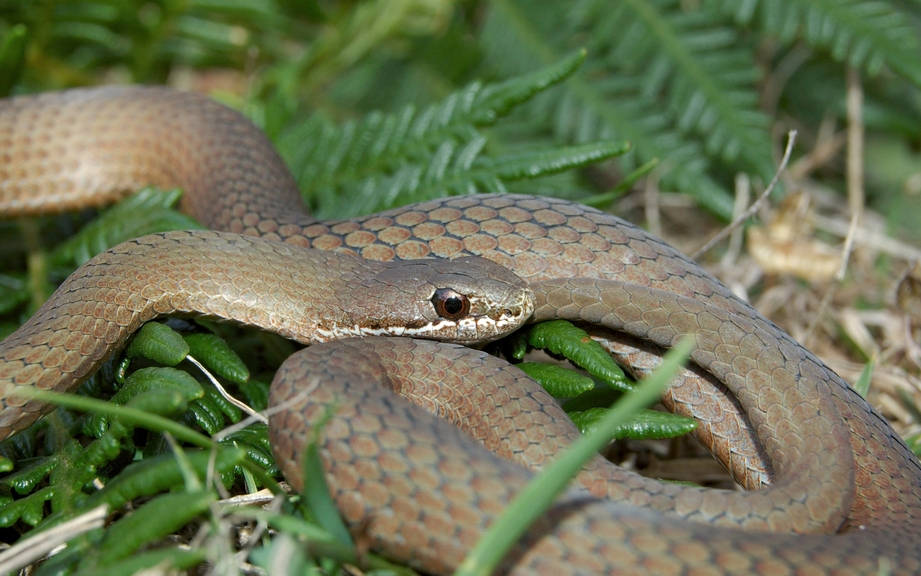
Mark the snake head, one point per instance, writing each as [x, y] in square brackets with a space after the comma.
[468, 300]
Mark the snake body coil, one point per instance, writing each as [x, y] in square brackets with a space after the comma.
[772, 412]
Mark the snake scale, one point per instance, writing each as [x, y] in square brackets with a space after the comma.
[837, 491]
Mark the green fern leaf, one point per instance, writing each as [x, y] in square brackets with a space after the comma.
[254, 440]
[30, 509]
[206, 415]
[559, 382]
[220, 405]
[27, 479]
[566, 339]
[380, 160]
[159, 379]
[460, 170]
[150, 522]
[217, 355]
[611, 100]
[644, 425]
[160, 473]
[498, 99]
[146, 212]
[702, 70]
[867, 34]
[158, 342]
[542, 162]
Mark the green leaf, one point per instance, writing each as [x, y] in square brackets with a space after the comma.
[644, 425]
[79, 466]
[159, 379]
[564, 338]
[710, 82]
[559, 382]
[497, 100]
[227, 409]
[146, 212]
[154, 475]
[158, 342]
[29, 509]
[255, 394]
[379, 160]
[862, 386]
[25, 480]
[65, 478]
[617, 93]
[12, 57]
[161, 561]
[254, 440]
[213, 411]
[516, 344]
[130, 415]
[207, 416]
[624, 186]
[214, 352]
[538, 163]
[154, 520]
[866, 34]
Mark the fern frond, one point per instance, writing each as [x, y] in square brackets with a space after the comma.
[609, 99]
[867, 34]
[498, 99]
[701, 69]
[148, 211]
[381, 159]
[461, 169]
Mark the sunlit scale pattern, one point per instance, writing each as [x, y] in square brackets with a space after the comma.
[538, 238]
[443, 487]
[547, 238]
[543, 238]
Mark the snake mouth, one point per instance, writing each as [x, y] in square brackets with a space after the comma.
[495, 323]
[465, 331]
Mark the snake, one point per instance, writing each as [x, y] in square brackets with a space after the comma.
[429, 440]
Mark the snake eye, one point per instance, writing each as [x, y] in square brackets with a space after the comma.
[450, 304]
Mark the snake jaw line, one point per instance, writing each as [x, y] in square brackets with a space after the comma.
[468, 330]
[489, 315]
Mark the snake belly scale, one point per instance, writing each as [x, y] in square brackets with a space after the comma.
[829, 469]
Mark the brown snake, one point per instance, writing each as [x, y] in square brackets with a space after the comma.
[776, 416]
